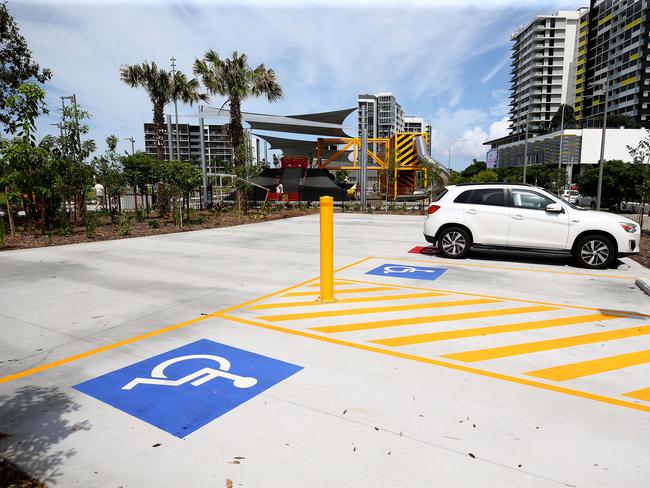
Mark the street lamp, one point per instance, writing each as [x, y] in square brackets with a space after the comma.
[559, 160]
[601, 162]
[132, 143]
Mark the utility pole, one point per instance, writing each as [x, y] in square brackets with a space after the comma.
[132, 143]
[169, 138]
[364, 156]
[203, 168]
[178, 137]
[602, 147]
[526, 145]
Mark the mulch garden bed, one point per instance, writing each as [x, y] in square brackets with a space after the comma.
[644, 256]
[106, 230]
[11, 476]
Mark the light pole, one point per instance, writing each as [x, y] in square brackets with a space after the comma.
[132, 143]
[601, 162]
[559, 160]
[178, 137]
[526, 145]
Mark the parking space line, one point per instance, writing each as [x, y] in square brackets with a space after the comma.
[369, 310]
[379, 324]
[547, 345]
[381, 298]
[594, 366]
[502, 329]
[510, 268]
[354, 290]
[642, 394]
[336, 283]
[444, 364]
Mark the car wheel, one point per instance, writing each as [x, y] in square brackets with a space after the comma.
[454, 242]
[595, 252]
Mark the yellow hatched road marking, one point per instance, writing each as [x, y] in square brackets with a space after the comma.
[594, 366]
[547, 345]
[379, 324]
[382, 298]
[643, 394]
[444, 364]
[355, 290]
[517, 327]
[367, 310]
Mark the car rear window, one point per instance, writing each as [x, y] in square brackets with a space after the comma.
[440, 195]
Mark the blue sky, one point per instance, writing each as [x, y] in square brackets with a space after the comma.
[446, 61]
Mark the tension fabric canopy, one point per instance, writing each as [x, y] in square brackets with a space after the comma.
[321, 124]
[297, 147]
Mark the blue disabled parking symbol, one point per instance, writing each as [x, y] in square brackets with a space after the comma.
[408, 271]
[182, 390]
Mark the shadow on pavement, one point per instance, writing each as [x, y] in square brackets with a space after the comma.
[32, 424]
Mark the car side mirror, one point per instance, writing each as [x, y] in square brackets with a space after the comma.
[554, 208]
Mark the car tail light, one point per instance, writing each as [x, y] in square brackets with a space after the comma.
[433, 208]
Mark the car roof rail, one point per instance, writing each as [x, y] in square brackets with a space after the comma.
[496, 183]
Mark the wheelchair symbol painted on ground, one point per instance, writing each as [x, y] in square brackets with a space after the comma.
[197, 378]
[408, 271]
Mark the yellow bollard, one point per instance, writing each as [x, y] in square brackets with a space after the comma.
[326, 249]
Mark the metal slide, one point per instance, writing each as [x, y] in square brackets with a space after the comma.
[426, 159]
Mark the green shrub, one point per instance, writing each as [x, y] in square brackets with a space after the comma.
[124, 222]
[154, 224]
[2, 231]
[141, 214]
[201, 219]
[91, 220]
[63, 223]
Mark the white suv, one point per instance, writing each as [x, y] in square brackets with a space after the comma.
[526, 218]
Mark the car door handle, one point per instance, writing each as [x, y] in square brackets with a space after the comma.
[471, 211]
[518, 217]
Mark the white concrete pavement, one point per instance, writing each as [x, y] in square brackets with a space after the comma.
[541, 402]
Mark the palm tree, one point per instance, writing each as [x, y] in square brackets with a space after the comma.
[234, 79]
[162, 87]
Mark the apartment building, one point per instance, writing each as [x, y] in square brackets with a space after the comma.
[384, 114]
[543, 69]
[218, 150]
[613, 50]
[418, 124]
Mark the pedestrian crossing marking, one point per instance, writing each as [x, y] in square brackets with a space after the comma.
[547, 345]
[593, 366]
[369, 310]
[378, 324]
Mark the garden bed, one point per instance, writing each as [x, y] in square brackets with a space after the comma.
[11, 476]
[644, 256]
[108, 228]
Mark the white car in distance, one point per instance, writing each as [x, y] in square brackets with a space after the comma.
[526, 218]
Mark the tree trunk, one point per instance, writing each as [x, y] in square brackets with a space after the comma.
[159, 128]
[146, 198]
[10, 214]
[236, 137]
[135, 198]
[43, 216]
[188, 207]
[28, 213]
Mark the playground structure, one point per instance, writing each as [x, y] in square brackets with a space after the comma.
[402, 160]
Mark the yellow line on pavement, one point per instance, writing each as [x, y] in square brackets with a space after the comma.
[382, 298]
[379, 324]
[594, 366]
[578, 307]
[444, 364]
[336, 283]
[509, 268]
[108, 347]
[446, 335]
[547, 345]
[368, 310]
[355, 290]
[643, 394]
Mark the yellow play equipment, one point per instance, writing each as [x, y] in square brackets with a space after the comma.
[399, 159]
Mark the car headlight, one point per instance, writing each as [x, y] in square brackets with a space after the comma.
[628, 227]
